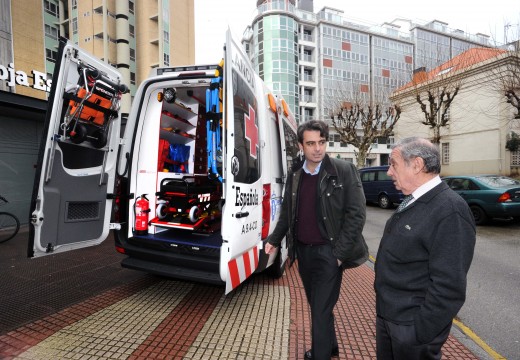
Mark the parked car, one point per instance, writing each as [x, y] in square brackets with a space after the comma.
[379, 187]
[488, 196]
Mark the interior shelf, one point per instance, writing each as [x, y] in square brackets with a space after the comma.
[177, 138]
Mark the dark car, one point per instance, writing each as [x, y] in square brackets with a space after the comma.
[379, 187]
[488, 196]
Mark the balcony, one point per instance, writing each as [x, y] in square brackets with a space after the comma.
[309, 60]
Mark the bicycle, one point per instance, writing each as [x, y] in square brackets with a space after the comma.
[9, 223]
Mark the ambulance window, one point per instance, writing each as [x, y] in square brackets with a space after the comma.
[247, 149]
[291, 145]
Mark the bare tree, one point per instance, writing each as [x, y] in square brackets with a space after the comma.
[434, 91]
[360, 126]
[361, 113]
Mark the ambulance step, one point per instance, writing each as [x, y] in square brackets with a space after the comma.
[182, 273]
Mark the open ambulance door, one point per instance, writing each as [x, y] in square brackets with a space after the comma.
[242, 212]
[74, 181]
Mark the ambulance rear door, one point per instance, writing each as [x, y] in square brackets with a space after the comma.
[242, 212]
[74, 181]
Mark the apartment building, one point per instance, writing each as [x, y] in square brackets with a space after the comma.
[318, 60]
[134, 36]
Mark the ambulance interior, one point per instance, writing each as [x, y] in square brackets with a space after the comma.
[184, 189]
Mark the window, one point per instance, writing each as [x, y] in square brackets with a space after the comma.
[50, 7]
[75, 25]
[131, 30]
[132, 78]
[74, 4]
[383, 176]
[515, 157]
[166, 36]
[51, 55]
[445, 153]
[368, 176]
[51, 32]
[131, 7]
[132, 54]
[166, 59]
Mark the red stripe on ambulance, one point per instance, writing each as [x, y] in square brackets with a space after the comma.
[241, 267]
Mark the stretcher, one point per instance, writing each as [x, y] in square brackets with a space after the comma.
[188, 203]
[93, 103]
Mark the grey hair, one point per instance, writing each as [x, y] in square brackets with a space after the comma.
[313, 125]
[414, 147]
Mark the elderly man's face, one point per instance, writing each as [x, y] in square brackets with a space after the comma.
[401, 173]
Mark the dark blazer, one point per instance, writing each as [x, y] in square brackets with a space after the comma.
[422, 262]
[341, 211]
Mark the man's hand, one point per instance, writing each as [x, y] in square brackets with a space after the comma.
[269, 249]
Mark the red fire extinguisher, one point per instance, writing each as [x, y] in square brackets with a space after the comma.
[141, 210]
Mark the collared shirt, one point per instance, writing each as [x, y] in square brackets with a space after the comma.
[424, 188]
[315, 172]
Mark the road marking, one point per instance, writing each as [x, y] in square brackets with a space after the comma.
[466, 330]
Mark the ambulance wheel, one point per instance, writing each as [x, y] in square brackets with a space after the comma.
[161, 211]
[99, 139]
[78, 133]
[277, 268]
[194, 214]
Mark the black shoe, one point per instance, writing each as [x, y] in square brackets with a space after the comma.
[333, 353]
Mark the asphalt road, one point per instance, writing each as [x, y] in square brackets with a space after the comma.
[492, 308]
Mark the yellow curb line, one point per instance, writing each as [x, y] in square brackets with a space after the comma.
[468, 332]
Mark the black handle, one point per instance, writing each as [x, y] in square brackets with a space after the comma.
[239, 215]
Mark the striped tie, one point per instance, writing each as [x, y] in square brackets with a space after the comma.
[405, 202]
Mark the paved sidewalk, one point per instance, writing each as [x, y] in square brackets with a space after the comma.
[152, 318]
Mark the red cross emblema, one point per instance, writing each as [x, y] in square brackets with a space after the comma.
[251, 132]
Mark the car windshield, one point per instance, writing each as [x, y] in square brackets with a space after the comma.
[498, 181]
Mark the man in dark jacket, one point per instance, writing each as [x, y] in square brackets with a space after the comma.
[323, 214]
[423, 258]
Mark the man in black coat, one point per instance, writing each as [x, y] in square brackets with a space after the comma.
[423, 257]
[323, 213]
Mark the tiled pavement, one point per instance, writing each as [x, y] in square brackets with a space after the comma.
[153, 318]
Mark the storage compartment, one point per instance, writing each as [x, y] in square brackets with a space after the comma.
[188, 194]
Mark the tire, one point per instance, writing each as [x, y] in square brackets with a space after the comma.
[479, 215]
[99, 139]
[384, 202]
[277, 268]
[79, 134]
[194, 214]
[161, 211]
[9, 226]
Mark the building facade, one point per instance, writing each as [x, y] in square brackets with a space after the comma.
[317, 61]
[132, 35]
[480, 120]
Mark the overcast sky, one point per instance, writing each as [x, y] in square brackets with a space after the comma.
[212, 17]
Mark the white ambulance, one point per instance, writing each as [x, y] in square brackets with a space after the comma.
[192, 187]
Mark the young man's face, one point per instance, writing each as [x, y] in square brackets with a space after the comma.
[314, 147]
[401, 173]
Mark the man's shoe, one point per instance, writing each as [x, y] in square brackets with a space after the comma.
[333, 353]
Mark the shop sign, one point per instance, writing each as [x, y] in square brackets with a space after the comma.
[13, 77]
